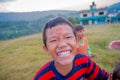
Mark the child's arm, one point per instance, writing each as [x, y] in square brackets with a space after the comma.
[89, 53]
[89, 50]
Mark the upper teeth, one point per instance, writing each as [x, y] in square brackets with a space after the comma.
[66, 53]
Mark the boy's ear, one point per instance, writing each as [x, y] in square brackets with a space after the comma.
[46, 50]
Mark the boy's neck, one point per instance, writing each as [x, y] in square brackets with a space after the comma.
[79, 38]
[64, 69]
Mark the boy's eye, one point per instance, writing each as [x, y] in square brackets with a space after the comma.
[68, 37]
[53, 40]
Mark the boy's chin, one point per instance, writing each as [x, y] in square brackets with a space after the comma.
[66, 62]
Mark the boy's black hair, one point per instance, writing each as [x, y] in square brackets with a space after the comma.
[78, 27]
[116, 73]
[53, 22]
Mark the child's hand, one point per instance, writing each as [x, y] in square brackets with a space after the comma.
[110, 76]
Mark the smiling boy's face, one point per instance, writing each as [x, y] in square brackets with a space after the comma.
[61, 44]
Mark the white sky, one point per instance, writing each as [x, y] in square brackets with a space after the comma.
[41, 5]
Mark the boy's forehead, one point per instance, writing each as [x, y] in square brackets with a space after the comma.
[59, 29]
[55, 30]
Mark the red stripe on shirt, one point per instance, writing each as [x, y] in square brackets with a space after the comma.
[76, 75]
[46, 65]
[81, 61]
[104, 73]
[47, 76]
[90, 67]
[93, 76]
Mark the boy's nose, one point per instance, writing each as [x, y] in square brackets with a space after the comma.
[62, 44]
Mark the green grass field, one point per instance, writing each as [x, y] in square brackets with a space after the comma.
[22, 57]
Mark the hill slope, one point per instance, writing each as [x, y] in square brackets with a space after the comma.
[13, 25]
[114, 8]
[32, 16]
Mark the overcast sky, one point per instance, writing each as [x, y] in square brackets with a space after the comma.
[43, 5]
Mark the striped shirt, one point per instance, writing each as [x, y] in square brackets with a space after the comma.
[83, 68]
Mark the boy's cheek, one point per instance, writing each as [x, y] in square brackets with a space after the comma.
[46, 50]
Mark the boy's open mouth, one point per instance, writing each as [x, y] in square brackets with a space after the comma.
[64, 53]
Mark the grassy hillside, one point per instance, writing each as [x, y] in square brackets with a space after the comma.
[21, 58]
[14, 25]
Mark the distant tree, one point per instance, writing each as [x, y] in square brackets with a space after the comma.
[73, 20]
